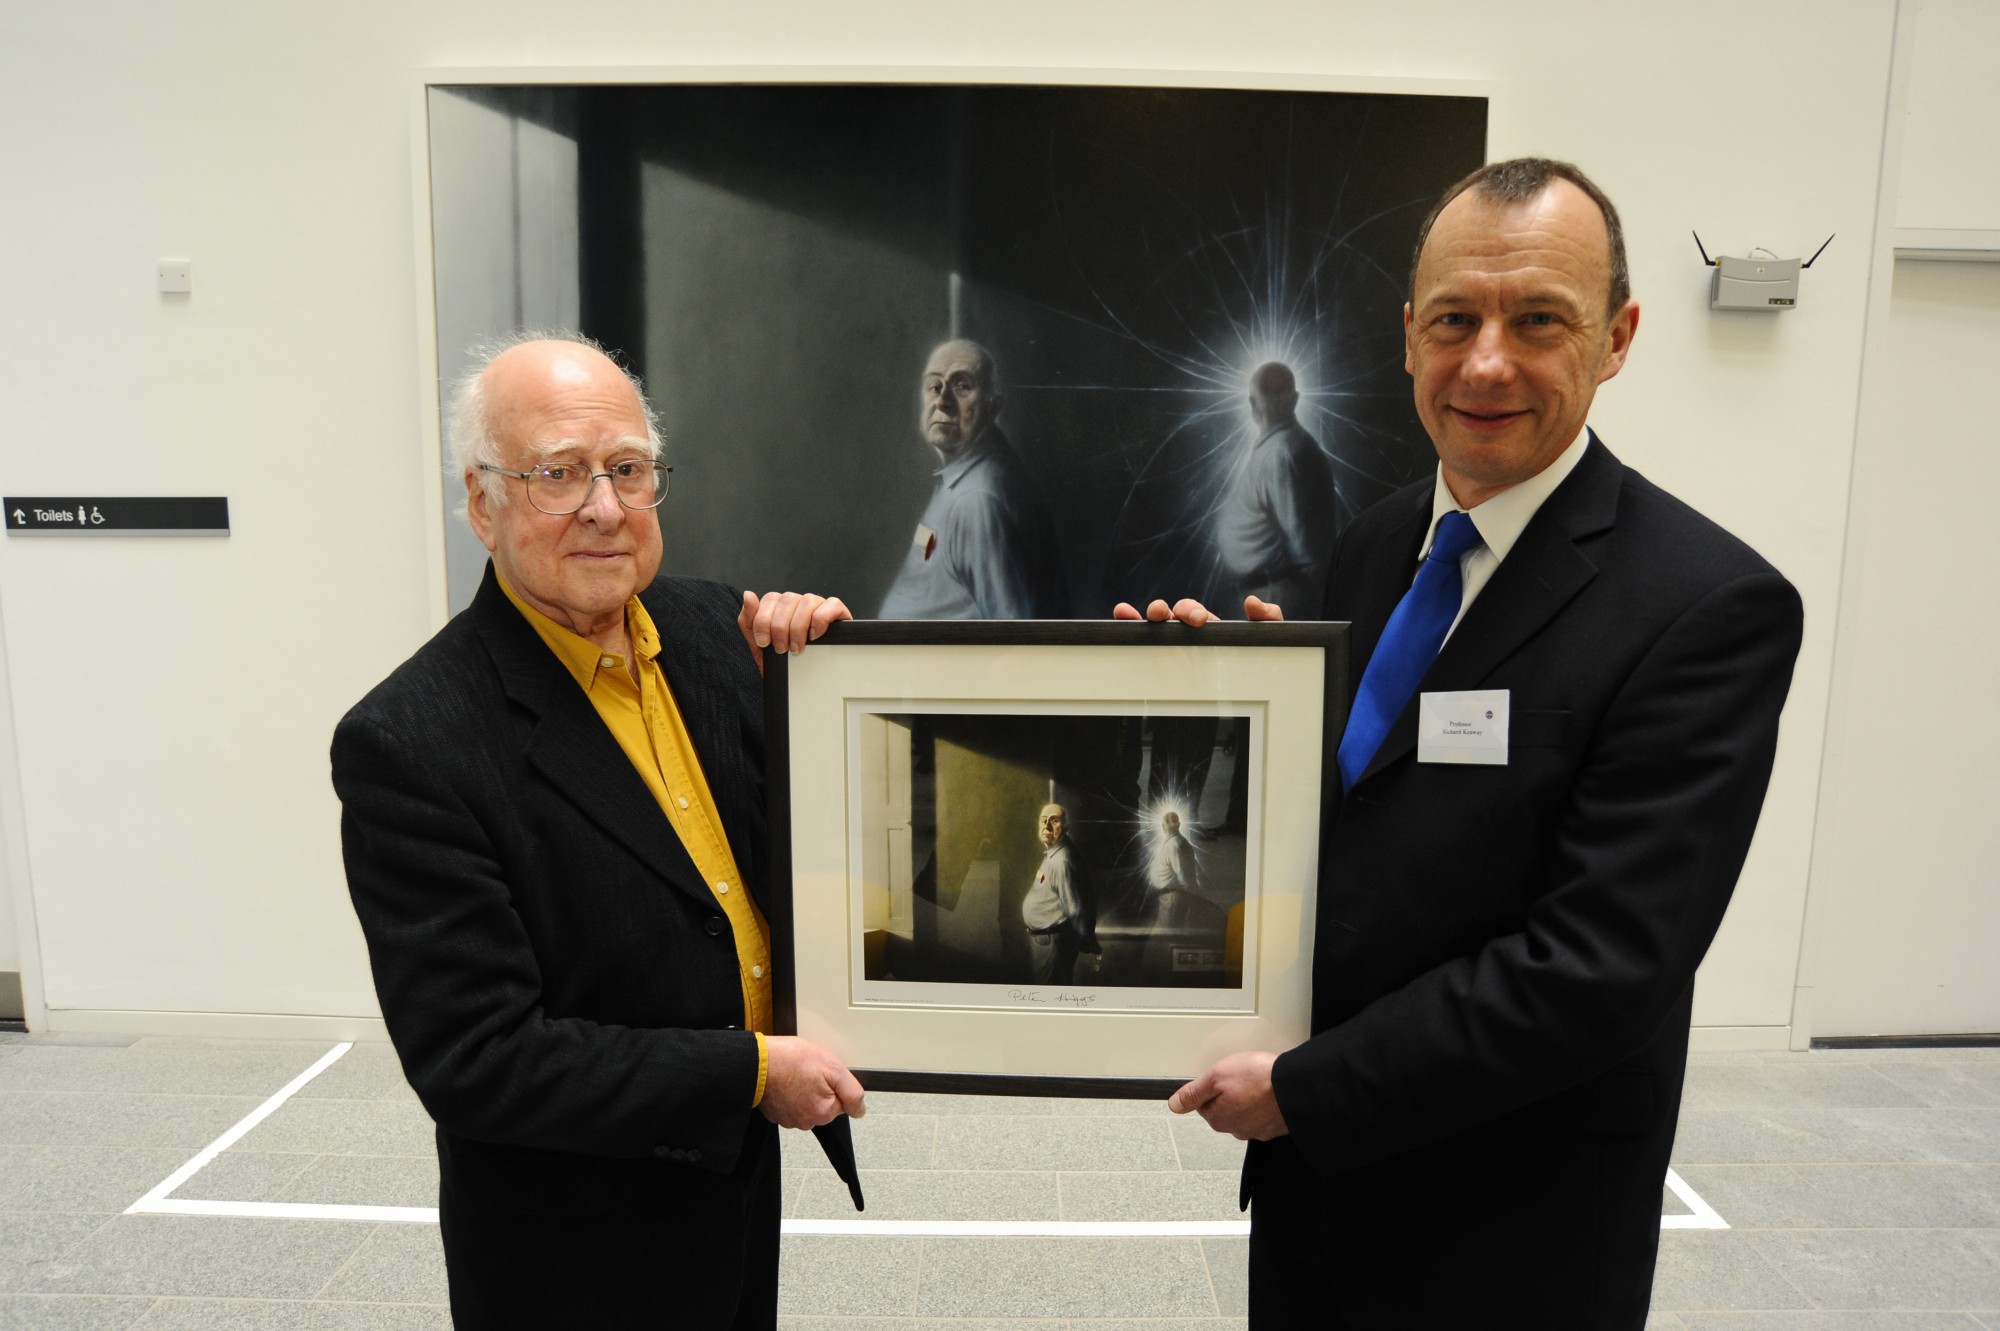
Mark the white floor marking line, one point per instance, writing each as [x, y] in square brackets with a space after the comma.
[160, 1201]
[1055, 1229]
[1704, 1216]
[151, 1202]
[413, 1215]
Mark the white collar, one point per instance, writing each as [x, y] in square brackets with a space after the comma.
[1501, 519]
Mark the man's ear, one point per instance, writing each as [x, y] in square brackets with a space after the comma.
[478, 508]
[1624, 327]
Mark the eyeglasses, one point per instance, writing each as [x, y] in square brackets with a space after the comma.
[561, 488]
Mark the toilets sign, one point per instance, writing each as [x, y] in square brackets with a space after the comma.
[203, 516]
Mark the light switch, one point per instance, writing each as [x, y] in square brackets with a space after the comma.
[177, 275]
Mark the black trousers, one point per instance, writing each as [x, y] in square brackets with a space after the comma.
[1052, 955]
[1507, 1228]
[673, 1247]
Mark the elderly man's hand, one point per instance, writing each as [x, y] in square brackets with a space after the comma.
[1190, 611]
[805, 1086]
[1235, 1096]
[786, 621]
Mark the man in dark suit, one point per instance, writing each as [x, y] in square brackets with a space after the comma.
[552, 821]
[1506, 935]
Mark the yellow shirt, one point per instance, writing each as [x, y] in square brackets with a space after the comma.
[648, 726]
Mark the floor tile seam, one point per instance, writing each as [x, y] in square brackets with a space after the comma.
[1866, 1229]
[1807, 1164]
[917, 1277]
[164, 1095]
[72, 1245]
[263, 1298]
[1806, 1300]
[1208, 1274]
[54, 1295]
[319, 1295]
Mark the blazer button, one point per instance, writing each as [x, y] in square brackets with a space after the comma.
[663, 1151]
[715, 924]
[694, 1154]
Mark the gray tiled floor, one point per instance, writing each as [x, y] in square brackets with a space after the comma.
[1862, 1189]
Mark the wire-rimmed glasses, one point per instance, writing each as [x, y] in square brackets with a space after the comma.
[561, 488]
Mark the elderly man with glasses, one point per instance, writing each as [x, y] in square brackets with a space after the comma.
[554, 837]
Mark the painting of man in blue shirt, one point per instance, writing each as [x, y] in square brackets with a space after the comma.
[985, 547]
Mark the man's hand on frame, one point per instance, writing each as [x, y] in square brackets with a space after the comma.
[786, 621]
[1235, 1096]
[1189, 611]
[805, 1086]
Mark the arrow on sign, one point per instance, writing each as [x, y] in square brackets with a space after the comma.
[20, 518]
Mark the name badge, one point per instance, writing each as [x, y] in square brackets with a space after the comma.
[1468, 727]
[925, 540]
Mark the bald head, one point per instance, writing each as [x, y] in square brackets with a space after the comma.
[552, 403]
[1521, 180]
[507, 383]
[960, 396]
[1274, 394]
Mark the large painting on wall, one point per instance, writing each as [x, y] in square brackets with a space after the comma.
[1183, 307]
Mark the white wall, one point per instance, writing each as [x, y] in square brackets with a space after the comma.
[1904, 912]
[1906, 883]
[173, 699]
[1947, 176]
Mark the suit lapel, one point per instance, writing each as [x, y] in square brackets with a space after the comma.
[1541, 574]
[1386, 572]
[571, 746]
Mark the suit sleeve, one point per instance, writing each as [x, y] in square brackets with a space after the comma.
[460, 987]
[1646, 853]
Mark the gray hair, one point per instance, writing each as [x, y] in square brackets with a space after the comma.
[469, 431]
[985, 369]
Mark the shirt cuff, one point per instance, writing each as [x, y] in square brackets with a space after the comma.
[763, 1069]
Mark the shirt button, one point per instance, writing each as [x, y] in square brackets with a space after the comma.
[757, 972]
[607, 661]
[684, 801]
[722, 888]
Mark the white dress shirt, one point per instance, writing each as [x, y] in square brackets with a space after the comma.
[1499, 521]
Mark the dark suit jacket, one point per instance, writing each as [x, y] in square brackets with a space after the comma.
[1504, 957]
[558, 981]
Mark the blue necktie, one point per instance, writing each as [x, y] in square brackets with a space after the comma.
[1409, 644]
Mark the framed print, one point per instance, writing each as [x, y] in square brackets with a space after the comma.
[1048, 857]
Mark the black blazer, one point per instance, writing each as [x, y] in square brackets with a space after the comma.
[558, 981]
[1504, 956]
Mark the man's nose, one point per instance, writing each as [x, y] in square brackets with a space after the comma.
[601, 506]
[1489, 359]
